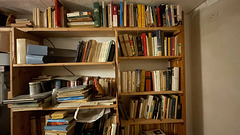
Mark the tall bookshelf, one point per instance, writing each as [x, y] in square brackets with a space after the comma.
[21, 74]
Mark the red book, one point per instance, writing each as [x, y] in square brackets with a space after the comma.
[173, 45]
[158, 17]
[118, 15]
[112, 9]
[84, 54]
[144, 43]
[127, 15]
[148, 81]
[58, 13]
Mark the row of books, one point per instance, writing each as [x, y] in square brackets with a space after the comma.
[154, 107]
[80, 19]
[130, 15]
[51, 17]
[141, 80]
[149, 44]
[93, 51]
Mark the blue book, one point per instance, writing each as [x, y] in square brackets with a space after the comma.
[70, 98]
[78, 47]
[60, 127]
[121, 13]
[34, 59]
[37, 49]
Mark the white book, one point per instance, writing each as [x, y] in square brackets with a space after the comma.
[22, 49]
[106, 51]
[165, 46]
[148, 106]
[153, 47]
[179, 13]
[157, 80]
[38, 17]
[175, 78]
[129, 81]
[161, 79]
[119, 82]
[113, 129]
[109, 15]
[141, 107]
[102, 52]
[53, 19]
[151, 16]
[147, 46]
[34, 17]
[134, 87]
[45, 18]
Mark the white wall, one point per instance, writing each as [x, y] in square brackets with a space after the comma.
[213, 73]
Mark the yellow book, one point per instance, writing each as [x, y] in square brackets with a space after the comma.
[136, 129]
[150, 44]
[169, 46]
[49, 17]
[125, 14]
[139, 7]
[143, 16]
[59, 114]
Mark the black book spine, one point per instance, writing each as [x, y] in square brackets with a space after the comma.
[112, 52]
[139, 46]
[82, 51]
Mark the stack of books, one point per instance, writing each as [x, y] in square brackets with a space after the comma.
[155, 107]
[60, 123]
[93, 51]
[80, 19]
[79, 93]
[126, 14]
[157, 80]
[153, 132]
[22, 23]
[149, 44]
[30, 102]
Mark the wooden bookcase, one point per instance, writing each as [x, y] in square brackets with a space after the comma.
[21, 74]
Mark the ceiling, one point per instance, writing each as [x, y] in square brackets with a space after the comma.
[25, 7]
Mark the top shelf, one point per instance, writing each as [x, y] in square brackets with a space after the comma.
[92, 32]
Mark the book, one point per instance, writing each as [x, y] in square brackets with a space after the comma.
[59, 114]
[96, 14]
[60, 127]
[22, 49]
[115, 17]
[143, 16]
[154, 132]
[148, 81]
[39, 50]
[139, 8]
[144, 43]
[125, 14]
[122, 45]
[142, 88]
[121, 13]
[128, 45]
[175, 78]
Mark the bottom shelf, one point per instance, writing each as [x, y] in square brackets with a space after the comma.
[149, 121]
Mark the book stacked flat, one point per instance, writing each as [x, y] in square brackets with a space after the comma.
[80, 19]
[141, 80]
[22, 23]
[79, 93]
[155, 107]
[60, 123]
[30, 102]
[125, 14]
[93, 51]
[149, 44]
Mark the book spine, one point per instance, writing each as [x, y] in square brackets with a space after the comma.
[128, 15]
[115, 17]
[148, 81]
[158, 17]
[150, 44]
[118, 15]
[139, 7]
[142, 89]
[144, 43]
[135, 45]
[103, 14]
[112, 52]
[121, 13]
[143, 16]
[125, 14]
[57, 13]
[127, 43]
[154, 16]
[139, 46]
[138, 79]
[109, 16]
[122, 45]
[96, 14]
[131, 44]
[175, 78]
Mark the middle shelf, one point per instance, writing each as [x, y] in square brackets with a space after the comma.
[64, 64]
[150, 93]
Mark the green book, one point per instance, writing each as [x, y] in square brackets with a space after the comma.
[96, 15]
[135, 45]
[154, 16]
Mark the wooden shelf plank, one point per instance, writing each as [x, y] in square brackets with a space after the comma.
[64, 64]
[64, 108]
[149, 57]
[149, 93]
[149, 121]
